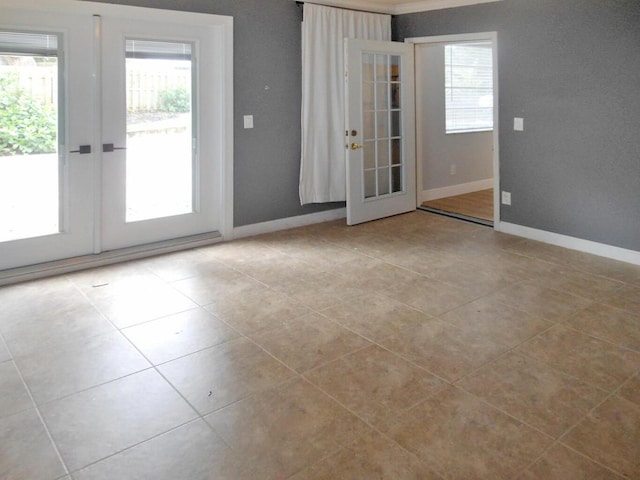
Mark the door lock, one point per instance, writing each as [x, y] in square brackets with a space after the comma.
[82, 150]
[356, 146]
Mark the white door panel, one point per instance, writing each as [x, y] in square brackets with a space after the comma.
[380, 121]
[46, 199]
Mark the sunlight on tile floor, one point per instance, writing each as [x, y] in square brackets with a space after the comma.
[414, 347]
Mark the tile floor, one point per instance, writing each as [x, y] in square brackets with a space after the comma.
[415, 347]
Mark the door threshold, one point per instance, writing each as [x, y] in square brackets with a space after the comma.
[459, 216]
[68, 265]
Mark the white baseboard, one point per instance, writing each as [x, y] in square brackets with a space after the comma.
[453, 190]
[587, 246]
[291, 222]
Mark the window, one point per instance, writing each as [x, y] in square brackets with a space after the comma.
[469, 87]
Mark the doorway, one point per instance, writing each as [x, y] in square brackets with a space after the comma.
[457, 126]
[124, 140]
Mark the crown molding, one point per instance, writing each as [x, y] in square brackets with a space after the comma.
[402, 8]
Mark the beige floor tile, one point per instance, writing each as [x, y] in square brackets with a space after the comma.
[420, 259]
[562, 463]
[594, 361]
[370, 457]
[627, 299]
[14, 397]
[5, 356]
[239, 252]
[615, 325]
[443, 349]
[26, 451]
[375, 384]
[460, 437]
[205, 290]
[371, 274]
[218, 376]
[104, 420]
[113, 279]
[178, 266]
[279, 271]
[256, 311]
[311, 342]
[631, 389]
[55, 373]
[34, 333]
[286, 429]
[477, 280]
[611, 436]
[320, 290]
[490, 319]
[549, 304]
[534, 393]
[140, 305]
[430, 296]
[177, 335]
[578, 283]
[375, 316]
[190, 452]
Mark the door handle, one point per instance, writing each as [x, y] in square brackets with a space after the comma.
[108, 147]
[356, 146]
[82, 149]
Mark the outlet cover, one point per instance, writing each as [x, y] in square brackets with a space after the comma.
[452, 169]
[518, 124]
[248, 121]
[506, 198]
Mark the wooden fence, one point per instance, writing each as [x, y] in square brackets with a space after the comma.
[143, 84]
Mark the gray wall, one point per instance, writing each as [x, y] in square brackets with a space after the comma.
[471, 153]
[571, 68]
[267, 52]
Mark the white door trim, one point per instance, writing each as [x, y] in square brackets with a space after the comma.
[469, 37]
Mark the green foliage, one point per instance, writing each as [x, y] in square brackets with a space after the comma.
[174, 100]
[26, 125]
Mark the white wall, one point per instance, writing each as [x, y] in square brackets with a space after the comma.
[472, 153]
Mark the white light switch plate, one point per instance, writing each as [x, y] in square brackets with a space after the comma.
[248, 121]
[518, 124]
[506, 198]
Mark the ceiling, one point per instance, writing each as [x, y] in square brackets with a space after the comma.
[397, 7]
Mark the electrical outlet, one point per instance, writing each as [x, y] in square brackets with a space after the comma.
[518, 124]
[506, 198]
[452, 169]
[248, 121]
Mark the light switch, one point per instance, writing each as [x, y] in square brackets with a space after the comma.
[518, 124]
[248, 121]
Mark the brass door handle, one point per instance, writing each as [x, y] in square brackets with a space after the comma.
[356, 146]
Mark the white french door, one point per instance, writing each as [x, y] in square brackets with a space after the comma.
[159, 171]
[46, 200]
[380, 121]
[116, 132]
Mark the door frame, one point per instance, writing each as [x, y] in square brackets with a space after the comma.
[460, 38]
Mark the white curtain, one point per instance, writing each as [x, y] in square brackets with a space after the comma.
[322, 169]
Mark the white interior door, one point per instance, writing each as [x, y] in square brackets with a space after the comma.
[160, 165]
[380, 121]
[46, 179]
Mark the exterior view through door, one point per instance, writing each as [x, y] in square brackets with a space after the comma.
[380, 135]
[101, 146]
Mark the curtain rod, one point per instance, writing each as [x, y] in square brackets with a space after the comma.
[301, 5]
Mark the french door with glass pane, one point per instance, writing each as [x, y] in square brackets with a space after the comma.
[380, 122]
[100, 145]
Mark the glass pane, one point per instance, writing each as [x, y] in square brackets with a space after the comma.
[383, 153]
[396, 152]
[395, 68]
[395, 95]
[159, 133]
[382, 68]
[29, 121]
[383, 181]
[383, 124]
[396, 179]
[367, 67]
[367, 96]
[382, 96]
[369, 154]
[369, 125]
[369, 183]
[395, 124]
